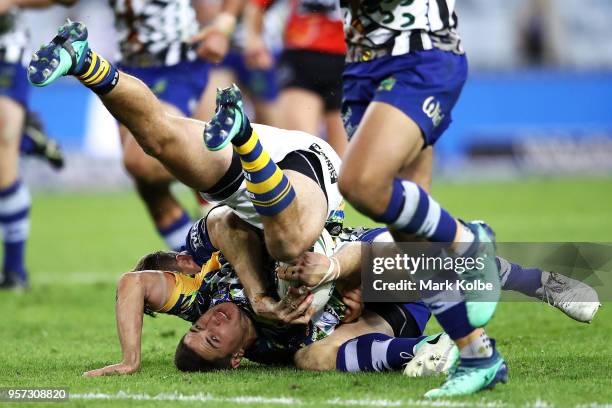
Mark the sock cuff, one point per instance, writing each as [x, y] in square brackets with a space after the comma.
[396, 203]
[176, 225]
[10, 189]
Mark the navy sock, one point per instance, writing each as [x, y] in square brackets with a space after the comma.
[413, 211]
[454, 320]
[375, 352]
[27, 146]
[515, 277]
[15, 225]
[174, 234]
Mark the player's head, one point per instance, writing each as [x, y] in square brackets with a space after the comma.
[168, 261]
[216, 341]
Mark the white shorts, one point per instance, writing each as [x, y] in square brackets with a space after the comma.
[279, 143]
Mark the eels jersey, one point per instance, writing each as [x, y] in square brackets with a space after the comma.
[218, 283]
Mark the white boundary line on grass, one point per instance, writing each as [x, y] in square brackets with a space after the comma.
[246, 399]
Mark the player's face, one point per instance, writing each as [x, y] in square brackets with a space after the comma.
[218, 333]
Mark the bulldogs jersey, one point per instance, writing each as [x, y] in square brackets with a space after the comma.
[154, 32]
[397, 27]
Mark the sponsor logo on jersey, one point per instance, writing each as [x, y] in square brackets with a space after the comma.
[333, 174]
[433, 110]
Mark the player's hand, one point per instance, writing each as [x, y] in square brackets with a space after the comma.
[256, 53]
[115, 369]
[354, 305]
[311, 269]
[6, 6]
[294, 308]
[214, 40]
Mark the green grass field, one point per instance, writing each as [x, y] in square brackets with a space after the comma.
[82, 243]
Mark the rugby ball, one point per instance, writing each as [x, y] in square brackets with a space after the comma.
[324, 245]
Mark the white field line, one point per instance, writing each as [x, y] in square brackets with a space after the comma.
[246, 399]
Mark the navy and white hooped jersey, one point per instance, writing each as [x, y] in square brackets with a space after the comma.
[395, 27]
[13, 37]
[154, 32]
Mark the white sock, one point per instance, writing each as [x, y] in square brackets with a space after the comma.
[478, 348]
[466, 238]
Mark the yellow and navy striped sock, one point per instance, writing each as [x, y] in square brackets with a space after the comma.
[269, 189]
[98, 74]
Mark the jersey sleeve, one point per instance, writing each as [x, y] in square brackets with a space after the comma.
[186, 298]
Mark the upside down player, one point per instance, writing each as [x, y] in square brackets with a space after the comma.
[284, 182]
[225, 328]
[153, 39]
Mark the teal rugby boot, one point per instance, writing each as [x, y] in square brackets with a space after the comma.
[481, 303]
[64, 55]
[229, 121]
[472, 375]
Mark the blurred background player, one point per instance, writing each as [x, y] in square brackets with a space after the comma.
[35, 142]
[310, 65]
[14, 91]
[259, 85]
[154, 43]
[405, 71]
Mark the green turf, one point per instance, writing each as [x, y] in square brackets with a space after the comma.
[82, 243]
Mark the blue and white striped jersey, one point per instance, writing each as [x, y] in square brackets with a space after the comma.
[396, 27]
[154, 32]
[13, 37]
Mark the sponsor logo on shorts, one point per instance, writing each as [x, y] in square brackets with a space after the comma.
[387, 84]
[347, 114]
[433, 110]
[333, 174]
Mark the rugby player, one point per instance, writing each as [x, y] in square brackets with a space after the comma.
[258, 84]
[226, 329]
[284, 182]
[14, 195]
[405, 71]
[310, 65]
[154, 42]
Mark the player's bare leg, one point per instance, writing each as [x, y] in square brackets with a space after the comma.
[293, 208]
[174, 141]
[14, 196]
[373, 186]
[152, 182]
[336, 134]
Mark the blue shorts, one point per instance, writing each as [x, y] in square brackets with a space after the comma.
[180, 85]
[14, 83]
[418, 310]
[261, 84]
[425, 85]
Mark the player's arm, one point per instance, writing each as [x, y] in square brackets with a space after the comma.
[256, 52]
[214, 40]
[313, 269]
[135, 291]
[244, 249]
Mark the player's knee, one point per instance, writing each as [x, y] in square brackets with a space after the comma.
[285, 247]
[140, 168]
[314, 358]
[359, 188]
